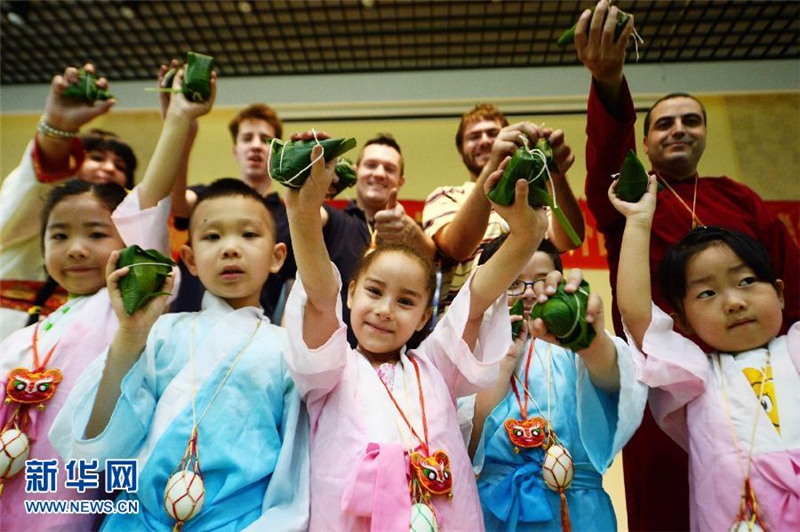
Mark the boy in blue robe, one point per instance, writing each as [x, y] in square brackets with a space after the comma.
[219, 372]
[594, 406]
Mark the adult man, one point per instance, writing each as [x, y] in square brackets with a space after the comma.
[251, 129]
[55, 154]
[460, 219]
[375, 215]
[675, 135]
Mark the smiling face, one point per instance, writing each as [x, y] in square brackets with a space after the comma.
[676, 138]
[233, 248]
[103, 166]
[78, 239]
[537, 268]
[476, 149]
[725, 305]
[251, 149]
[388, 303]
[380, 169]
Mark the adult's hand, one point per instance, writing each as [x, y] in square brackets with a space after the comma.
[597, 49]
[392, 224]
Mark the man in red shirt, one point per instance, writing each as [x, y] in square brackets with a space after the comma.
[675, 131]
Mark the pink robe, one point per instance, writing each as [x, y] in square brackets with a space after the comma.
[687, 402]
[82, 334]
[359, 443]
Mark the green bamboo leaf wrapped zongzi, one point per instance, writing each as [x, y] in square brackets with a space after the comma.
[290, 162]
[564, 315]
[346, 172]
[148, 271]
[569, 35]
[86, 89]
[632, 180]
[197, 78]
[536, 166]
[516, 309]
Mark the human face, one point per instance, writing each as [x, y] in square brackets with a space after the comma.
[252, 148]
[725, 305]
[103, 166]
[233, 249]
[77, 242]
[476, 148]
[537, 269]
[388, 303]
[379, 171]
[677, 137]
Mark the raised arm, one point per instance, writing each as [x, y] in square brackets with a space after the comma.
[601, 53]
[460, 238]
[634, 295]
[527, 228]
[128, 343]
[164, 166]
[314, 266]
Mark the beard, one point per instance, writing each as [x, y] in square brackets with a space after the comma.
[472, 165]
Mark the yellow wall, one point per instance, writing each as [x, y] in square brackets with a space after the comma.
[753, 138]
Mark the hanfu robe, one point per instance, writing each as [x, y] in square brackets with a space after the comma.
[591, 423]
[252, 444]
[82, 328]
[689, 404]
[359, 443]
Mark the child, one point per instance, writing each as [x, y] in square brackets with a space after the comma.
[380, 409]
[79, 232]
[591, 398]
[212, 384]
[735, 408]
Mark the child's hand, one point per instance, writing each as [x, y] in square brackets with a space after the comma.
[517, 347]
[508, 140]
[310, 197]
[142, 320]
[69, 114]
[180, 107]
[547, 287]
[521, 217]
[643, 210]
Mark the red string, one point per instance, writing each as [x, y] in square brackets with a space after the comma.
[37, 366]
[523, 410]
[424, 442]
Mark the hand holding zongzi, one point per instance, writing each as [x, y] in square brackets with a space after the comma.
[70, 114]
[601, 41]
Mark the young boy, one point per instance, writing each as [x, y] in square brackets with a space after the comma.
[209, 387]
[591, 399]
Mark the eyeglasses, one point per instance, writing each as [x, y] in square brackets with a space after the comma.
[519, 286]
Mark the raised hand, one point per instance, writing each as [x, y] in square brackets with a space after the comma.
[312, 194]
[508, 140]
[69, 114]
[520, 216]
[391, 223]
[641, 211]
[179, 106]
[597, 49]
[562, 153]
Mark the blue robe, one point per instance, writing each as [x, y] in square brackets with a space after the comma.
[592, 424]
[253, 443]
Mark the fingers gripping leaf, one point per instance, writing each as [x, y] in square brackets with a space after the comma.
[86, 89]
[564, 315]
[569, 35]
[346, 172]
[633, 179]
[516, 310]
[148, 271]
[290, 162]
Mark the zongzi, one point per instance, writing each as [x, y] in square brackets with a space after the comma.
[86, 89]
[148, 271]
[564, 315]
[346, 172]
[290, 162]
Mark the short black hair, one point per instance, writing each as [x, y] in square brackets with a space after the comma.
[672, 270]
[109, 194]
[101, 140]
[227, 187]
[385, 139]
[545, 247]
[670, 96]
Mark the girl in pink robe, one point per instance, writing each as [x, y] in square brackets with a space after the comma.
[373, 407]
[732, 405]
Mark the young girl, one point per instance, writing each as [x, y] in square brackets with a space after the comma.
[734, 409]
[386, 451]
[81, 225]
[591, 400]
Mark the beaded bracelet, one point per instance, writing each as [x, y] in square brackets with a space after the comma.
[57, 134]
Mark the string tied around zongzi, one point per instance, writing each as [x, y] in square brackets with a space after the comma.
[545, 169]
[290, 182]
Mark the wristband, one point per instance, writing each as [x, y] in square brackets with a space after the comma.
[57, 134]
